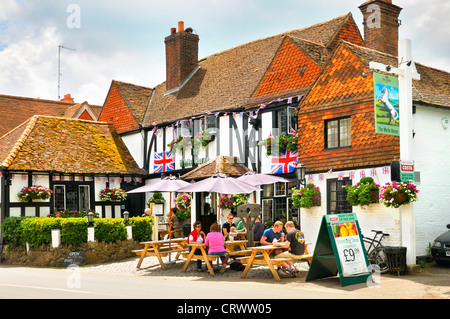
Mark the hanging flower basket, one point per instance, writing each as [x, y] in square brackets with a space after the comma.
[279, 144]
[183, 205]
[363, 193]
[306, 197]
[34, 193]
[396, 194]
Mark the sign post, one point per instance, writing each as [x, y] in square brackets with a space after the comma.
[340, 249]
[406, 72]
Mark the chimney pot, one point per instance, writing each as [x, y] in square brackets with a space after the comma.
[173, 30]
[180, 26]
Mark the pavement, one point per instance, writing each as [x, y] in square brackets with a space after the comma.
[430, 282]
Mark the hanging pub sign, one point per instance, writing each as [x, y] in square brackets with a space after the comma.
[340, 249]
[386, 104]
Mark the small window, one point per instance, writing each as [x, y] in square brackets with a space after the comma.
[208, 124]
[337, 196]
[286, 120]
[337, 133]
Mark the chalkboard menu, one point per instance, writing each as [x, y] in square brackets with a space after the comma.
[75, 258]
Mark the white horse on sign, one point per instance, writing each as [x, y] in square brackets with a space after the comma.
[384, 99]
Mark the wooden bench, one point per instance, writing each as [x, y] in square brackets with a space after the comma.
[260, 261]
[161, 248]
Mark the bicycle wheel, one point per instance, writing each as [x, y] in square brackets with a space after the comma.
[378, 256]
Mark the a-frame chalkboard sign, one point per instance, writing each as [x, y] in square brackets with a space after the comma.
[340, 249]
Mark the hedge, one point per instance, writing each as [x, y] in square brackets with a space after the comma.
[37, 230]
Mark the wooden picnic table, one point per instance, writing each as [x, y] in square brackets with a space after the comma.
[231, 245]
[204, 256]
[264, 252]
[161, 248]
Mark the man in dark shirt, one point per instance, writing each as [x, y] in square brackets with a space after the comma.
[295, 241]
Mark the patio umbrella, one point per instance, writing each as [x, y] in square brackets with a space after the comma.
[221, 183]
[256, 179]
[167, 184]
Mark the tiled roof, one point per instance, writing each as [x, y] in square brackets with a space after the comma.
[221, 164]
[227, 80]
[125, 105]
[15, 110]
[53, 144]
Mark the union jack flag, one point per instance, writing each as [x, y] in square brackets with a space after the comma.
[386, 170]
[285, 163]
[362, 174]
[320, 177]
[293, 132]
[163, 162]
[373, 172]
[351, 175]
[341, 176]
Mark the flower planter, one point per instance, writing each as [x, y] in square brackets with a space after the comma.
[400, 198]
[317, 201]
[375, 196]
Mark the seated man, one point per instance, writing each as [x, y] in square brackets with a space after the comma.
[295, 240]
[273, 235]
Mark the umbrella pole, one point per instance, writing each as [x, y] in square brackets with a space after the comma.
[170, 226]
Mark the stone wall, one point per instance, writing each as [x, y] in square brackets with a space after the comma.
[46, 256]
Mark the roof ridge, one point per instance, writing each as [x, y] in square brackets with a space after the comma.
[20, 141]
[282, 34]
[35, 99]
[128, 83]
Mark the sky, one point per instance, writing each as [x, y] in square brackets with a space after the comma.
[105, 40]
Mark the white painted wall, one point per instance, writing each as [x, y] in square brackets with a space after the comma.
[372, 217]
[432, 159]
[135, 144]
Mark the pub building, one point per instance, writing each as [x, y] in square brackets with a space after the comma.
[312, 86]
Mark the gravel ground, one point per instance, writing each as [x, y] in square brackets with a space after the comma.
[151, 267]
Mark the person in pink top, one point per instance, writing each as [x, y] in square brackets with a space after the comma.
[216, 245]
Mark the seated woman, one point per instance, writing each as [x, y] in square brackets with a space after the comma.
[197, 236]
[215, 242]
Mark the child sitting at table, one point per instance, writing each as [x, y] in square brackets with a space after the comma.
[233, 234]
[215, 242]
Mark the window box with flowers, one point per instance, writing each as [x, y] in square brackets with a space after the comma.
[183, 205]
[363, 193]
[396, 194]
[307, 196]
[34, 193]
[113, 194]
[279, 144]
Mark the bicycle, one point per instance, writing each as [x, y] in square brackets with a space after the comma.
[376, 253]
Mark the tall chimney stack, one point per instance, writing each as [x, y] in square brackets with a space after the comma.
[381, 25]
[181, 55]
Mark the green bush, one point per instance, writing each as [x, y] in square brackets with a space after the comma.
[37, 231]
[110, 229]
[142, 228]
[74, 230]
[12, 230]
[17, 231]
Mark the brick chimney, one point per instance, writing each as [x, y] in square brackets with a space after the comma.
[181, 55]
[381, 25]
[67, 99]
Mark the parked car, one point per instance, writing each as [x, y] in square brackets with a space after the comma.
[440, 250]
